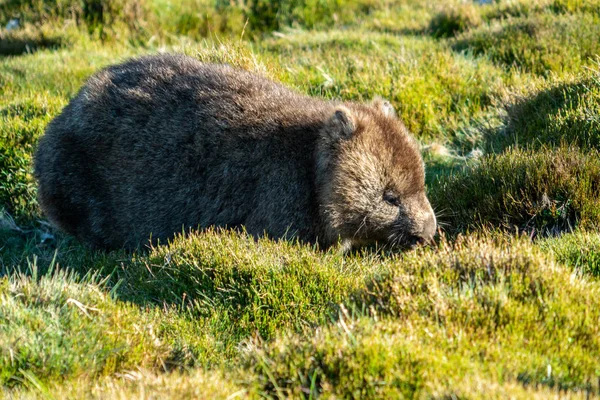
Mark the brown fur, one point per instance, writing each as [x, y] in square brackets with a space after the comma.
[164, 143]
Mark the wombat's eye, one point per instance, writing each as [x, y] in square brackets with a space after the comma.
[391, 199]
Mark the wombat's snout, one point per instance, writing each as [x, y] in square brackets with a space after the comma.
[427, 232]
[429, 228]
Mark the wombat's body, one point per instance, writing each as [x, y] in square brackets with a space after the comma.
[160, 144]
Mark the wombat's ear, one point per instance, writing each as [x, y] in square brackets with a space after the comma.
[341, 125]
[384, 106]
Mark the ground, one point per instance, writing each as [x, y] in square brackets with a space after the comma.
[504, 99]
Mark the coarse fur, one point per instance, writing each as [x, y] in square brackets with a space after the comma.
[165, 143]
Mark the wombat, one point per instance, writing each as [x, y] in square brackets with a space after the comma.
[165, 143]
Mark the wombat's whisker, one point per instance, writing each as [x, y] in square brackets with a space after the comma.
[362, 225]
[442, 224]
[440, 213]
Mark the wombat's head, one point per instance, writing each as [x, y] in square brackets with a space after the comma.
[371, 179]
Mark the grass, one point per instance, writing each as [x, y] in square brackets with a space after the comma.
[140, 384]
[46, 327]
[542, 192]
[447, 305]
[417, 74]
[539, 44]
[579, 251]
[562, 113]
[504, 99]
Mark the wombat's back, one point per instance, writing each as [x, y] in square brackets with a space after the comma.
[162, 143]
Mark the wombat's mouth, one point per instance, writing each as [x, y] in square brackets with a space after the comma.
[395, 242]
[416, 241]
[400, 239]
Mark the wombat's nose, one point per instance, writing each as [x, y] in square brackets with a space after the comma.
[429, 228]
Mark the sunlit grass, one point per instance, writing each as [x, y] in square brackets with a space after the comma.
[504, 99]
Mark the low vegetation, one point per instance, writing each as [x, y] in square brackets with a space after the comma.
[504, 98]
[539, 44]
[446, 305]
[580, 251]
[564, 113]
[542, 192]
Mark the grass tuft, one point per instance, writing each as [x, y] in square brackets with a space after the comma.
[541, 44]
[579, 250]
[542, 192]
[447, 303]
[28, 41]
[57, 326]
[97, 16]
[454, 20]
[563, 114]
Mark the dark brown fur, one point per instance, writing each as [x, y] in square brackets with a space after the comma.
[164, 143]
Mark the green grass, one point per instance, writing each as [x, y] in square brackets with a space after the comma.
[504, 99]
[559, 113]
[435, 91]
[541, 192]
[476, 305]
[47, 326]
[541, 44]
[579, 251]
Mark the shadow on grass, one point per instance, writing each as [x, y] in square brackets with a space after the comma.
[567, 114]
[13, 44]
[211, 269]
[231, 285]
[540, 44]
[544, 192]
[511, 45]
